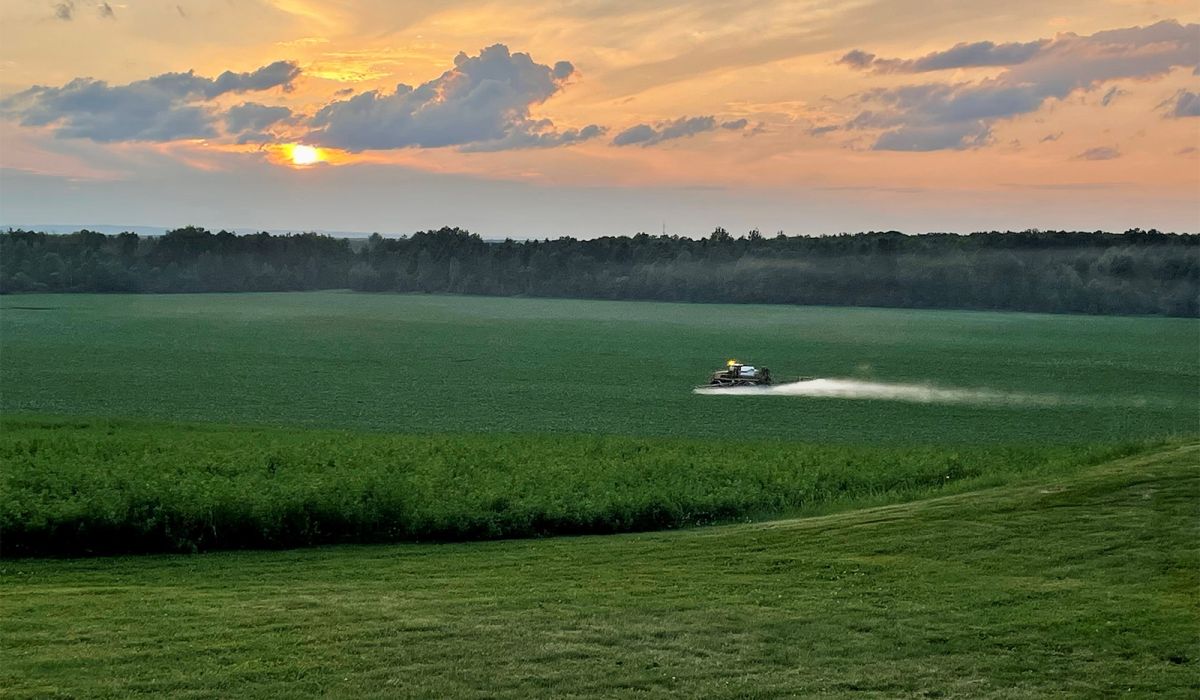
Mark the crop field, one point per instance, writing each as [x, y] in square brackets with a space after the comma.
[337, 417]
[1005, 505]
[400, 363]
[104, 487]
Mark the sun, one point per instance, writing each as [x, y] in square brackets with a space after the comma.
[305, 155]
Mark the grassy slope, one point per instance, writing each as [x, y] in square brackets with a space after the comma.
[1086, 585]
[481, 365]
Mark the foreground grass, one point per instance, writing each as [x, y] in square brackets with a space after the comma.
[99, 487]
[1084, 585]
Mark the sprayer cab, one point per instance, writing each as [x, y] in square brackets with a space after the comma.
[740, 374]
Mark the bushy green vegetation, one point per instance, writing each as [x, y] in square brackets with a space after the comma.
[101, 487]
[1084, 585]
[1075, 272]
[446, 364]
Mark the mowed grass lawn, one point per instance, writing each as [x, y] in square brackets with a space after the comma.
[1082, 586]
[412, 363]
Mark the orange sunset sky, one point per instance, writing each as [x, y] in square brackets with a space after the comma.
[593, 118]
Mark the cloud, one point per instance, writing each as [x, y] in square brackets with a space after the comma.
[1113, 93]
[252, 117]
[679, 128]
[858, 59]
[105, 11]
[279, 74]
[1099, 153]
[928, 116]
[543, 136]
[255, 137]
[1051, 137]
[481, 104]
[65, 10]
[935, 137]
[165, 107]
[980, 53]
[1184, 103]
[647, 135]
[641, 133]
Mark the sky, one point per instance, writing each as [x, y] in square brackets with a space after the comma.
[586, 118]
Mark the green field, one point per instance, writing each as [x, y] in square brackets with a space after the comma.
[73, 487]
[401, 363]
[1038, 545]
[1083, 586]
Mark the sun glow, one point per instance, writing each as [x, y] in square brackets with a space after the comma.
[298, 156]
[304, 155]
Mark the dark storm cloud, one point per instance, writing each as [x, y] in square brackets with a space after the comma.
[481, 104]
[647, 135]
[163, 108]
[936, 116]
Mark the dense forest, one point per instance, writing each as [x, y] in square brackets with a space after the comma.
[1136, 272]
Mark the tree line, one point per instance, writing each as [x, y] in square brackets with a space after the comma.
[1136, 272]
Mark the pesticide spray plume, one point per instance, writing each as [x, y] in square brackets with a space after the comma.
[887, 391]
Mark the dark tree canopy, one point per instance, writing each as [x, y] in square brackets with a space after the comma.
[1136, 272]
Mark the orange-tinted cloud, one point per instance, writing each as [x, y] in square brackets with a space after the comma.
[167, 107]
[956, 115]
[483, 102]
[992, 104]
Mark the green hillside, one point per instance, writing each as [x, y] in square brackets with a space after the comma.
[1085, 585]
